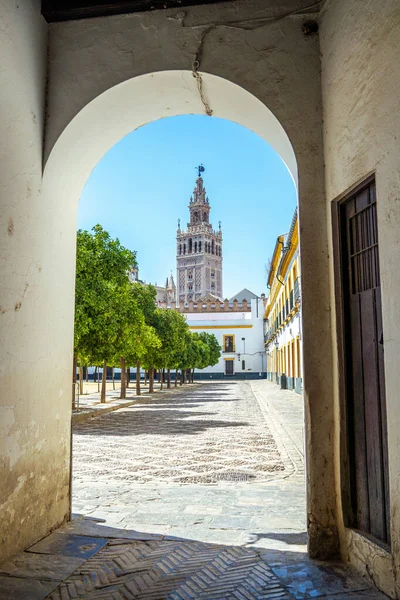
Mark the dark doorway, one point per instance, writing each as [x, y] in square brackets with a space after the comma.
[363, 386]
[229, 367]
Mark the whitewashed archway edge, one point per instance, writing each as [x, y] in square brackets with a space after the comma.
[146, 98]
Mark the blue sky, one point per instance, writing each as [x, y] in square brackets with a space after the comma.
[143, 185]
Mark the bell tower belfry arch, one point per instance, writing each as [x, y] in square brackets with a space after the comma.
[199, 250]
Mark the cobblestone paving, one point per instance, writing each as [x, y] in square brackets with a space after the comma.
[213, 463]
[209, 435]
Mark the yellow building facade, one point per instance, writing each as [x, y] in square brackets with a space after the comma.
[282, 318]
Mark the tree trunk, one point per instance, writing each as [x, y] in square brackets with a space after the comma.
[113, 379]
[192, 377]
[123, 378]
[103, 383]
[128, 376]
[146, 376]
[182, 379]
[151, 380]
[137, 379]
[74, 362]
[169, 379]
[95, 375]
[160, 377]
[81, 381]
[87, 374]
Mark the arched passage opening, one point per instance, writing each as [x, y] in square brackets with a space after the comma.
[102, 123]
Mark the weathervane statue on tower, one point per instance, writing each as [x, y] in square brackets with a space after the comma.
[200, 169]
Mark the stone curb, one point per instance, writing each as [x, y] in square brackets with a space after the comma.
[92, 413]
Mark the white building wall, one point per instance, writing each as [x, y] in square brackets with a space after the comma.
[289, 332]
[35, 365]
[360, 50]
[248, 325]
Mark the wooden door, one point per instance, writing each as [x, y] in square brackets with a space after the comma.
[364, 364]
[229, 367]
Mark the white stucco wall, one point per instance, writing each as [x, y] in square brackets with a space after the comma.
[107, 77]
[248, 325]
[34, 415]
[289, 332]
[360, 49]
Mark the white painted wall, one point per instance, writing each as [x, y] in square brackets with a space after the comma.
[289, 332]
[360, 49]
[248, 325]
[34, 408]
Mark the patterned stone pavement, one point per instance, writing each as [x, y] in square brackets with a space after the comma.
[193, 494]
[212, 462]
[211, 434]
[139, 566]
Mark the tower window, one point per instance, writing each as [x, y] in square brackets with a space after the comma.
[212, 247]
[184, 248]
[204, 216]
[195, 246]
[199, 246]
[180, 248]
[212, 272]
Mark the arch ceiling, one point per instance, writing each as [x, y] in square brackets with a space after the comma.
[141, 100]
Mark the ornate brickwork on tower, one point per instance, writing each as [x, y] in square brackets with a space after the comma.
[199, 251]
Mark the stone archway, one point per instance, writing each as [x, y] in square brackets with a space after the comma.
[115, 113]
[87, 137]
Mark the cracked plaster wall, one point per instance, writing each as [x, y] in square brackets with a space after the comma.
[360, 49]
[34, 425]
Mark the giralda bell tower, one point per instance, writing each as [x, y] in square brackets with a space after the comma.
[199, 250]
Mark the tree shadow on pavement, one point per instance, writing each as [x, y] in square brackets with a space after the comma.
[133, 421]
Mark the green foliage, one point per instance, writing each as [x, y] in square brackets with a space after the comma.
[116, 318]
[213, 347]
[171, 328]
[102, 265]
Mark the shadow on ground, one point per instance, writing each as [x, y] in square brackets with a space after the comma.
[85, 559]
[134, 421]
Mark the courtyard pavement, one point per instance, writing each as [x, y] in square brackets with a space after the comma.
[192, 493]
[214, 462]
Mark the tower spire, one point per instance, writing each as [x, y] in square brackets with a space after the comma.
[199, 250]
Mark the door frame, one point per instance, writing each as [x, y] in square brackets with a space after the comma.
[349, 515]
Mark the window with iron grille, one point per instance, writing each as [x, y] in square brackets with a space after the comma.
[296, 290]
